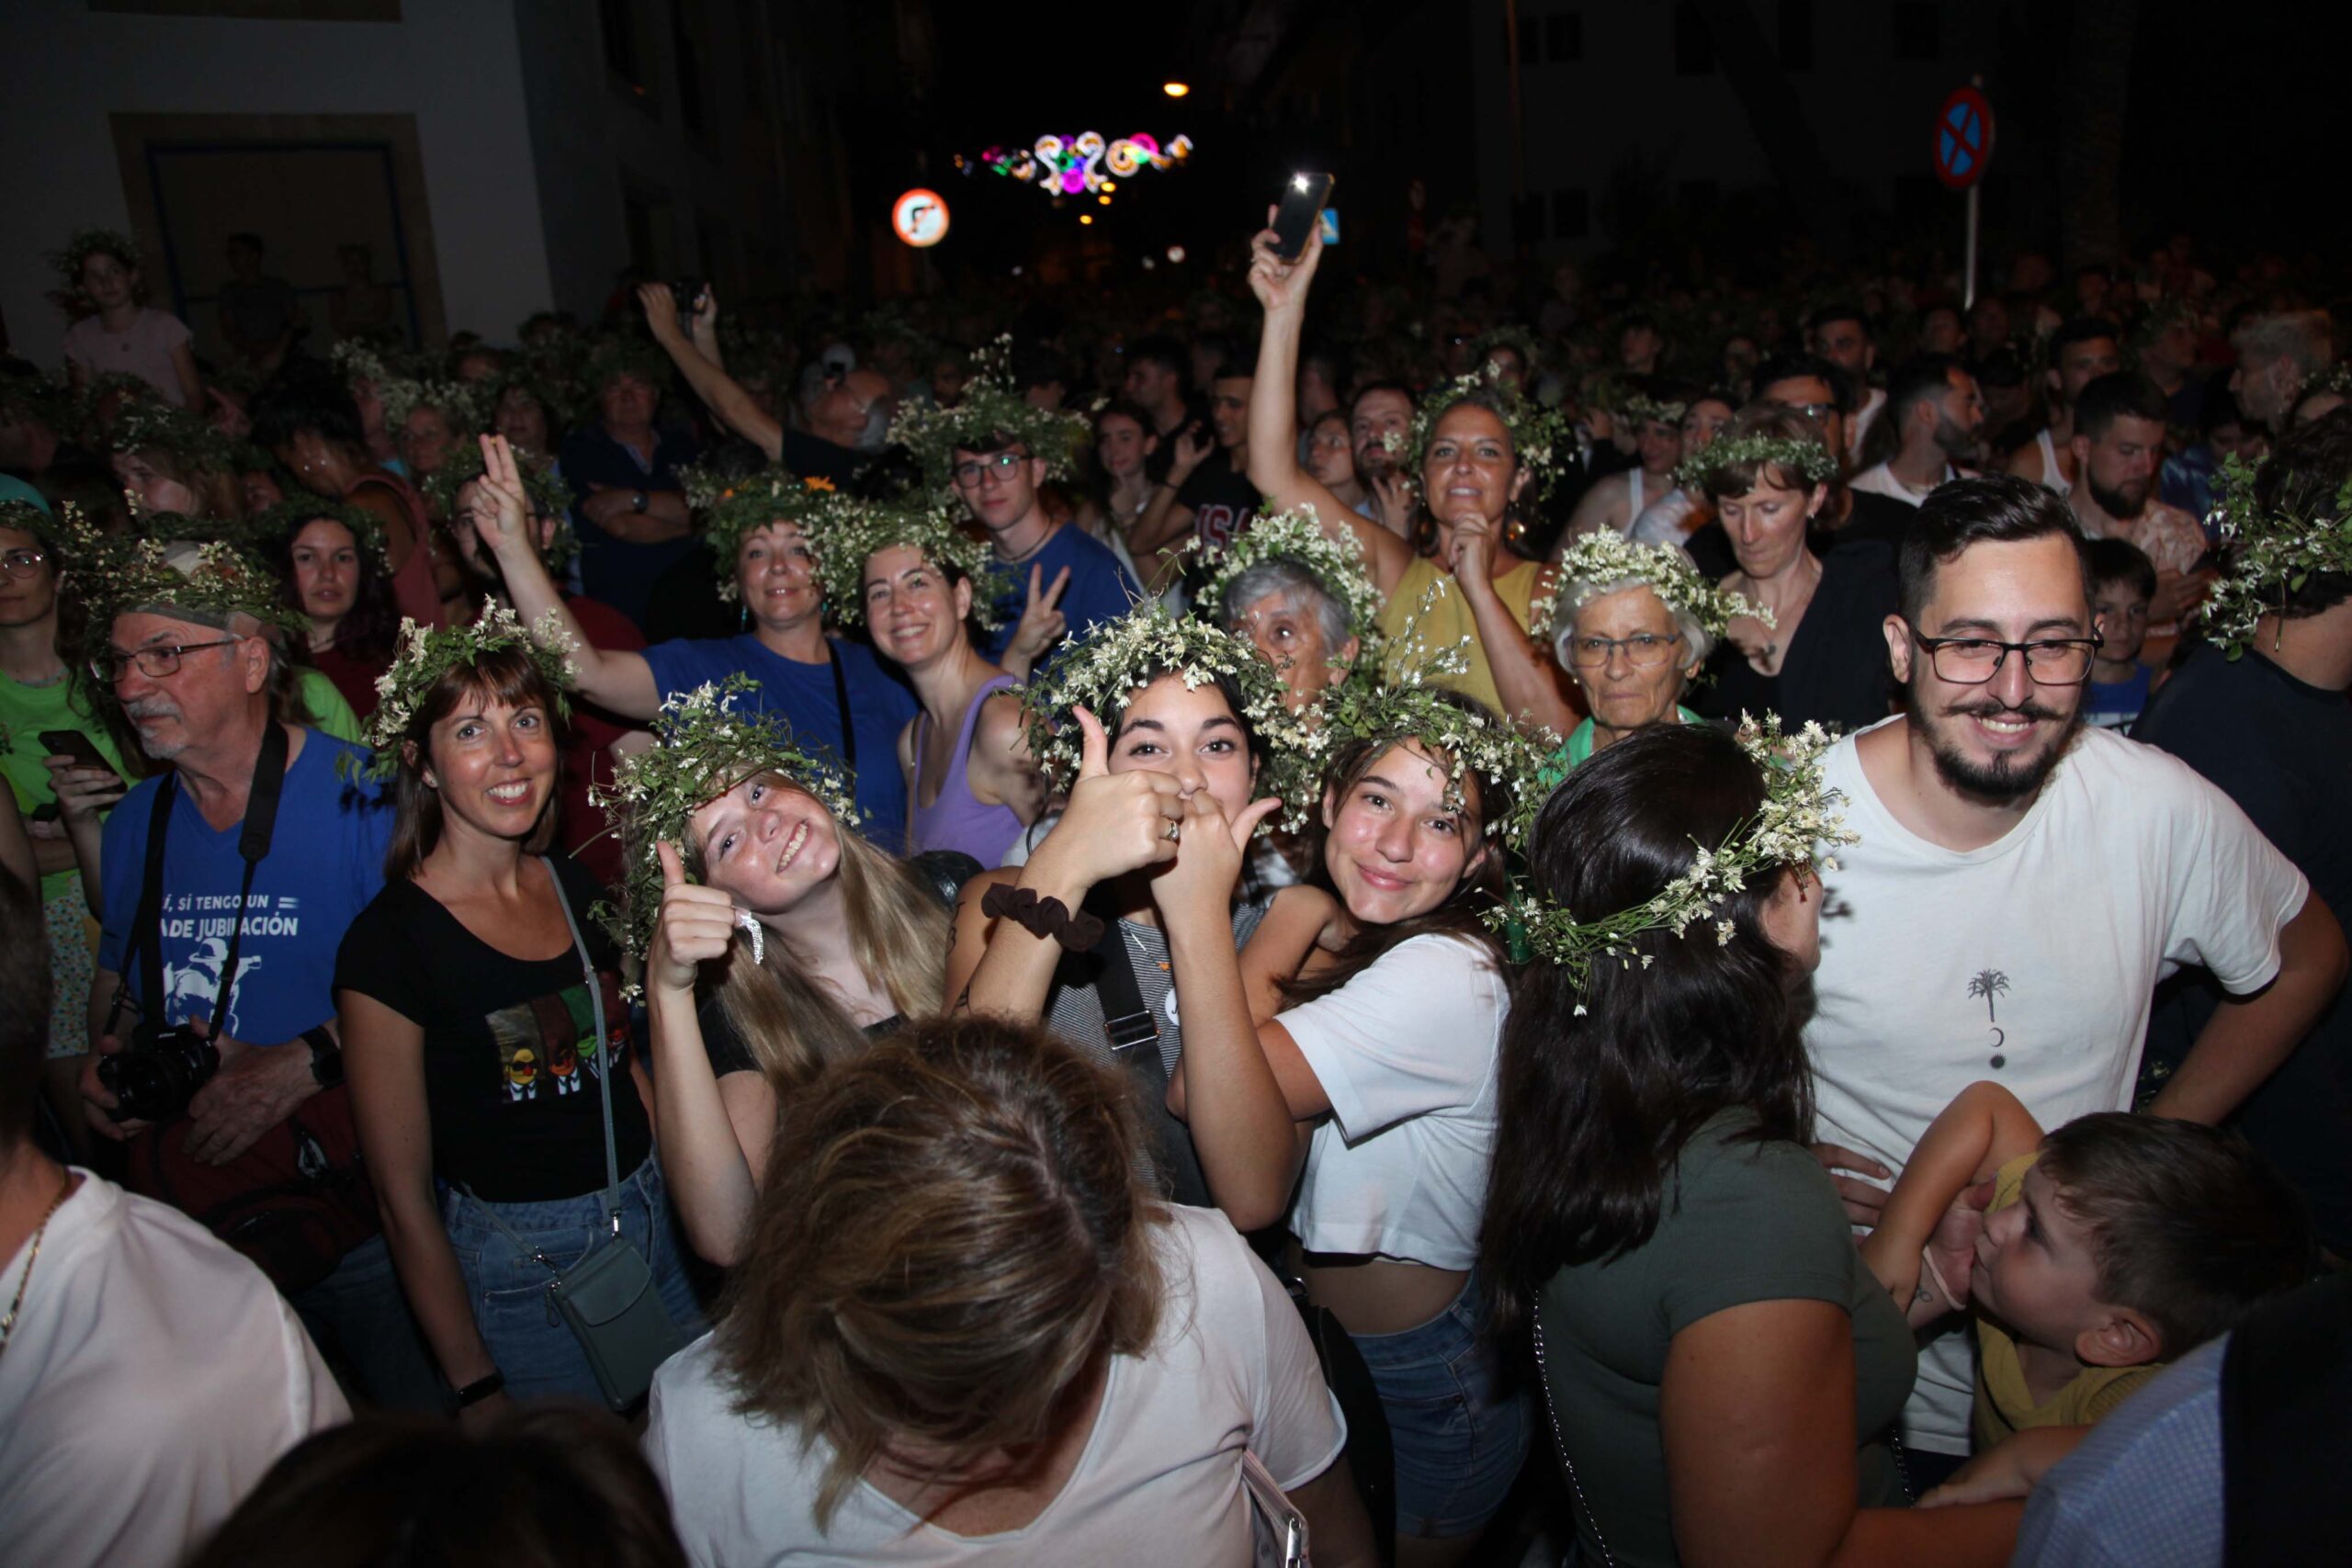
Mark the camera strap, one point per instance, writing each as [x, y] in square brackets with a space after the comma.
[252, 847]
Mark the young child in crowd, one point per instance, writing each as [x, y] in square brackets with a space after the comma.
[2123, 583]
[2113, 1246]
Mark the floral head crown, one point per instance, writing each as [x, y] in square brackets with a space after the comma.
[426, 653]
[25, 518]
[281, 523]
[1518, 340]
[67, 263]
[146, 422]
[1810, 459]
[210, 578]
[733, 509]
[703, 748]
[1605, 558]
[1539, 436]
[990, 410]
[546, 495]
[1412, 707]
[1642, 408]
[851, 531]
[1102, 670]
[1337, 563]
[2267, 556]
[460, 402]
[1798, 821]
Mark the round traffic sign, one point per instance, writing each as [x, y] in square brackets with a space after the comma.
[1963, 138]
[919, 217]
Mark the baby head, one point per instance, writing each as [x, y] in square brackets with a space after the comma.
[2137, 1240]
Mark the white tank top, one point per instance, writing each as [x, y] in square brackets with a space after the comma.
[2051, 474]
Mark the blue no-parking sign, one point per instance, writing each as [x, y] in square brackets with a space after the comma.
[1963, 142]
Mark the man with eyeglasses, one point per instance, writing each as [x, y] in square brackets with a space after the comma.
[2023, 882]
[1053, 571]
[243, 952]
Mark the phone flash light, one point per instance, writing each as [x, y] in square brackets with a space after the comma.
[1298, 182]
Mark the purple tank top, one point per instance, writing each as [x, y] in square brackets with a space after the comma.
[956, 820]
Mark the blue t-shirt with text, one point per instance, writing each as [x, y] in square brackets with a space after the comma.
[880, 703]
[325, 862]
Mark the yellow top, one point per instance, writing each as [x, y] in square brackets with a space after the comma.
[2004, 1403]
[1448, 620]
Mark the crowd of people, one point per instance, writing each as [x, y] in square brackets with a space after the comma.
[1216, 927]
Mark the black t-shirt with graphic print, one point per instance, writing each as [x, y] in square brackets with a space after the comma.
[512, 1062]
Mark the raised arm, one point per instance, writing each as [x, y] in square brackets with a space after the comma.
[719, 393]
[2248, 1037]
[708, 1162]
[1281, 287]
[1114, 823]
[383, 1055]
[1981, 1129]
[612, 678]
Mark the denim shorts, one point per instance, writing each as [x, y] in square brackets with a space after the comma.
[1459, 1422]
[508, 1286]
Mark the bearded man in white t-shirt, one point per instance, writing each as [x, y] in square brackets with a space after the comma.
[2023, 882]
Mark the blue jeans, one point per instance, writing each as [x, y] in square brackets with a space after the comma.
[1459, 1431]
[531, 1344]
[360, 1316]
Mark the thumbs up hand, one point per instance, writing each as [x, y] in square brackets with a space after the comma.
[697, 925]
[1114, 823]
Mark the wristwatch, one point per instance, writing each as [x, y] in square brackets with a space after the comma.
[638, 500]
[326, 1057]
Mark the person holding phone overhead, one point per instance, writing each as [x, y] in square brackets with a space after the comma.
[1478, 450]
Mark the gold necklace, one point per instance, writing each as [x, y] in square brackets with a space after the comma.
[8, 1324]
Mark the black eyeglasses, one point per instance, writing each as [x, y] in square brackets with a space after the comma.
[967, 472]
[155, 663]
[1974, 660]
[21, 563]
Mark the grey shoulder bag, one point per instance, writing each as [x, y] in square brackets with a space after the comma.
[608, 1298]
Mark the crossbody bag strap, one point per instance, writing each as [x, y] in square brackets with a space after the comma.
[604, 1043]
[146, 940]
[1125, 1019]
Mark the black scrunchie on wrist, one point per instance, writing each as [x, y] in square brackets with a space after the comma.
[1048, 918]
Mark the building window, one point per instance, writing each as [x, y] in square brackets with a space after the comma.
[1571, 214]
[1797, 35]
[1563, 37]
[1916, 31]
[1695, 47]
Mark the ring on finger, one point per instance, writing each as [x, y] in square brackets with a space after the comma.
[1175, 833]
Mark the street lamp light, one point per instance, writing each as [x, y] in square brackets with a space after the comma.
[1175, 89]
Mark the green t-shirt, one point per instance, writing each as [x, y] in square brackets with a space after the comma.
[330, 713]
[1754, 1223]
[26, 713]
[1576, 751]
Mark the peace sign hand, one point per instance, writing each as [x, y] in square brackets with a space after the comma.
[695, 926]
[1042, 624]
[1114, 823]
[508, 526]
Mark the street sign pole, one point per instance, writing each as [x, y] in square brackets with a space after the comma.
[1968, 277]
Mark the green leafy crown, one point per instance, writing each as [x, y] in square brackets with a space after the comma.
[990, 409]
[426, 653]
[546, 493]
[1540, 436]
[1808, 459]
[849, 532]
[278, 525]
[1606, 557]
[732, 509]
[1101, 671]
[1298, 536]
[117, 574]
[1798, 824]
[2267, 556]
[706, 742]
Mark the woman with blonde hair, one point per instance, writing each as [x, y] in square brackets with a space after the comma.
[966, 1331]
[743, 861]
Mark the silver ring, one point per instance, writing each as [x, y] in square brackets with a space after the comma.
[1175, 832]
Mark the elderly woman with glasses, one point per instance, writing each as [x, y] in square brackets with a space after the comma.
[1632, 625]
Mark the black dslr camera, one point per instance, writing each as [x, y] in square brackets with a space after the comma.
[159, 1073]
